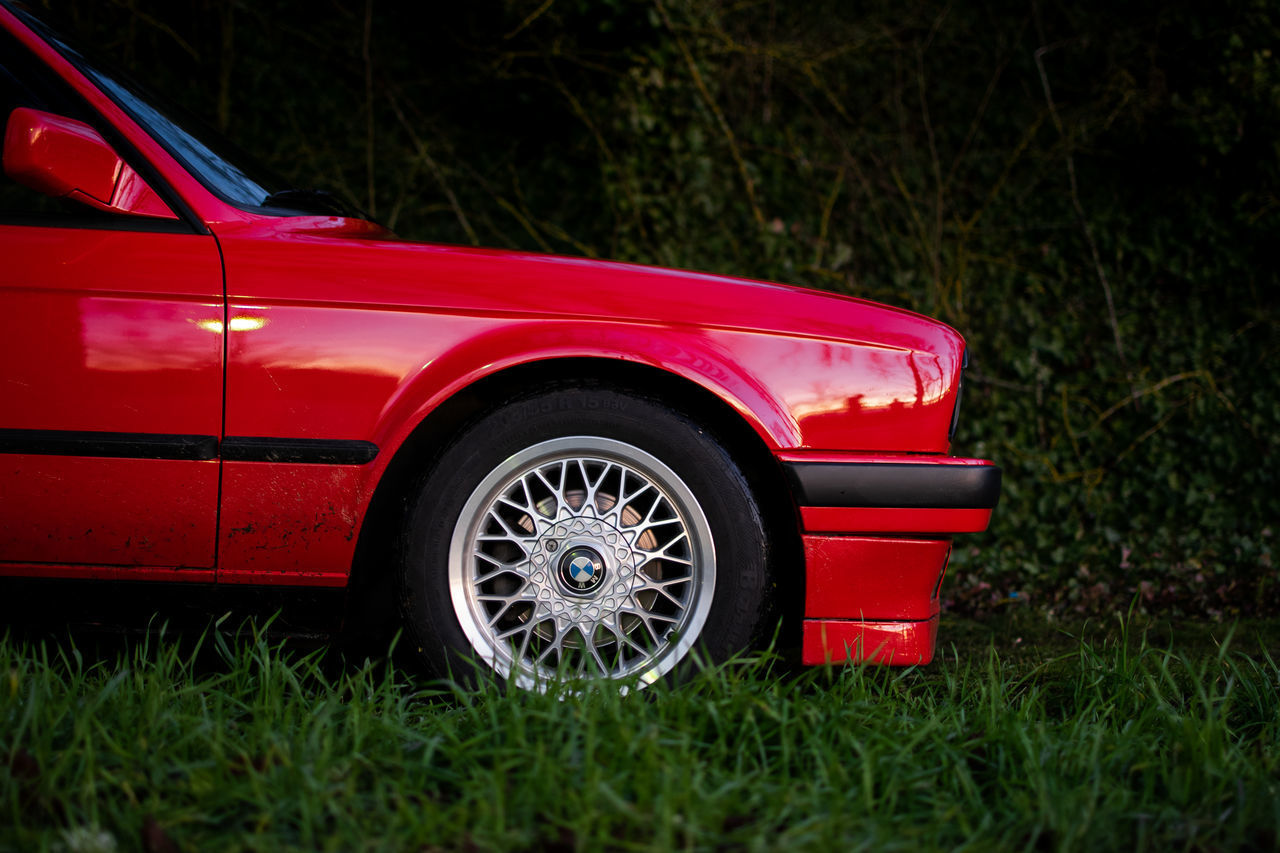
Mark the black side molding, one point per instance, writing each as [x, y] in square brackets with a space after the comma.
[146, 445]
[319, 451]
[874, 484]
[115, 445]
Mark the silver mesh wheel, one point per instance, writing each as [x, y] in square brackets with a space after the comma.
[581, 556]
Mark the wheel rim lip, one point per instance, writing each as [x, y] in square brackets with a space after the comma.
[471, 615]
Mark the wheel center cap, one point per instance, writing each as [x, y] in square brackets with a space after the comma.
[581, 570]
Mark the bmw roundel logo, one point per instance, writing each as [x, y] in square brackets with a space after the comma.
[581, 569]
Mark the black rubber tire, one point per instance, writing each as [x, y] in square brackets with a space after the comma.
[738, 599]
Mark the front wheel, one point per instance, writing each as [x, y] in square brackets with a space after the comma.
[583, 532]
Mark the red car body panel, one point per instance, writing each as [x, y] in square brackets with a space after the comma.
[895, 643]
[144, 513]
[876, 578]
[802, 365]
[109, 331]
[325, 329]
[294, 524]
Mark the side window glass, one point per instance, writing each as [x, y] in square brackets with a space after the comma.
[35, 100]
[16, 201]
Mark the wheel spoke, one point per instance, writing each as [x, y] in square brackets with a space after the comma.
[592, 488]
[499, 613]
[648, 618]
[508, 599]
[511, 534]
[556, 645]
[511, 632]
[557, 492]
[616, 626]
[525, 507]
[529, 514]
[528, 498]
[649, 615]
[524, 644]
[602, 669]
[648, 518]
[662, 588]
[661, 553]
[660, 584]
[519, 569]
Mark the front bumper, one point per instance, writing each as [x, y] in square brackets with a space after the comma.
[877, 536]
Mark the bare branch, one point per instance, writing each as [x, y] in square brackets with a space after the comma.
[747, 182]
[537, 13]
[1080, 214]
[372, 204]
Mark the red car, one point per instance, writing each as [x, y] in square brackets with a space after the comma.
[561, 463]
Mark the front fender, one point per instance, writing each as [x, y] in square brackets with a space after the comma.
[692, 354]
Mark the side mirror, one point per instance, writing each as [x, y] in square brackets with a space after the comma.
[65, 158]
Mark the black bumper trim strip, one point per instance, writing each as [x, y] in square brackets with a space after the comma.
[318, 451]
[891, 484]
[113, 445]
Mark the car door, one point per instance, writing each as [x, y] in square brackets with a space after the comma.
[111, 369]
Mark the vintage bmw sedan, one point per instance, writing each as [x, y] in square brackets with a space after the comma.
[558, 464]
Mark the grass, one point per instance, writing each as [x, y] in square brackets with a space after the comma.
[234, 741]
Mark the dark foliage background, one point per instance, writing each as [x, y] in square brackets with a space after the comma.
[1090, 192]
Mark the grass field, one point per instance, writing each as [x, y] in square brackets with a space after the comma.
[1105, 738]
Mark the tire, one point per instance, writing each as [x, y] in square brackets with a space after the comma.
[582, 531]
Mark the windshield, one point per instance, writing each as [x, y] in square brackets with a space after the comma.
[243, 183]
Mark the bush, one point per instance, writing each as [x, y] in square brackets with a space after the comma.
[1088, 193]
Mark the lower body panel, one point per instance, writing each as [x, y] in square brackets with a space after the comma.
[858, 640]
[872, 599]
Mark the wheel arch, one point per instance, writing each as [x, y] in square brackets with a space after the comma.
[372, 580]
